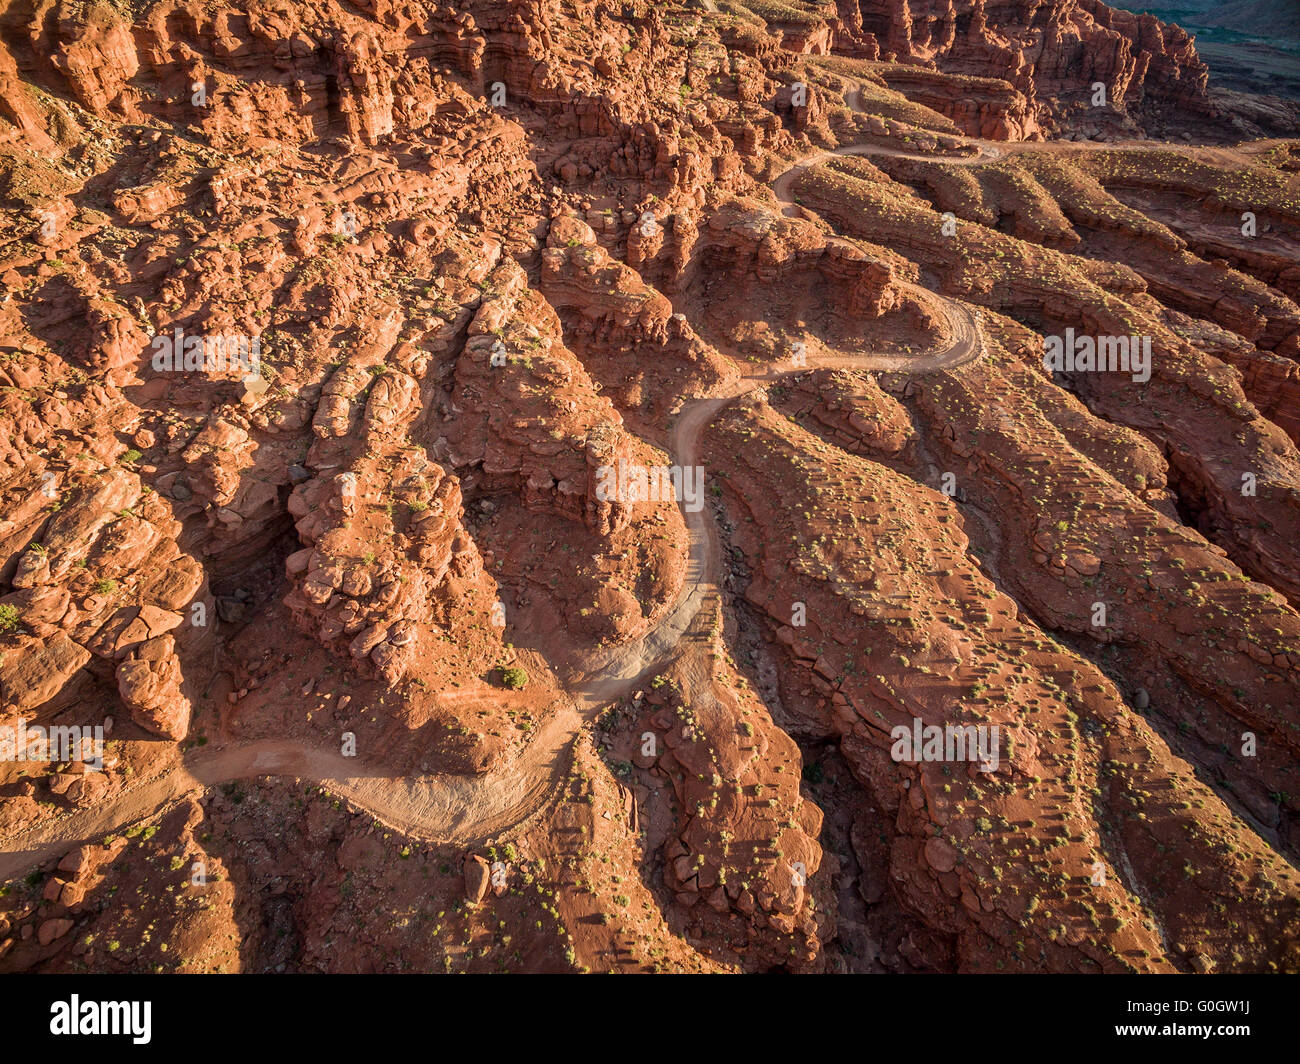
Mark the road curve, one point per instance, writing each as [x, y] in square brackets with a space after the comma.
[466, 810]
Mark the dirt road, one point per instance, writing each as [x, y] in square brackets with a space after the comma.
[467, 810]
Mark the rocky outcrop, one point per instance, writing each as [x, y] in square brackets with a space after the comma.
[742, 851]
[531, 418]
[104, 542]
[374, 577]
[926, 648]
[989, 108]
[745, 245]
[488, 252]
[1043, 56]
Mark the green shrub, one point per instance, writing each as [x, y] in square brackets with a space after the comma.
[514, 678]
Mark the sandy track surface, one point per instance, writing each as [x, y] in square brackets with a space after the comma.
[467, 810]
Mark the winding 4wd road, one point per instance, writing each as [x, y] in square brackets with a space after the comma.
[466, 810]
